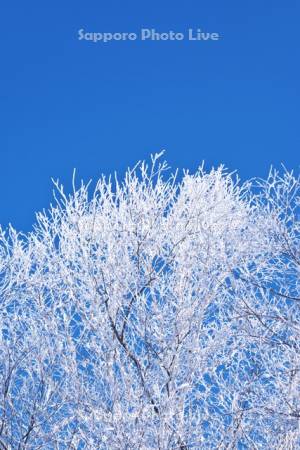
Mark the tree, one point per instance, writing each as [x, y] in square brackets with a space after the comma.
[157, 313]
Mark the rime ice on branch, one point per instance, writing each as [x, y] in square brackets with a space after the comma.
[159, 313]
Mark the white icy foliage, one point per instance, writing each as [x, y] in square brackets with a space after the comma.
[155, 314]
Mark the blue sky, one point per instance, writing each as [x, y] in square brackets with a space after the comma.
[98, 107]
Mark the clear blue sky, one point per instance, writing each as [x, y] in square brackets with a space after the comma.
[99, 107]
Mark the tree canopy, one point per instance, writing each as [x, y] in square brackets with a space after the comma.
[158, 312]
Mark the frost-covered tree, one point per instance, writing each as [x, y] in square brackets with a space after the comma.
[157, 313]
